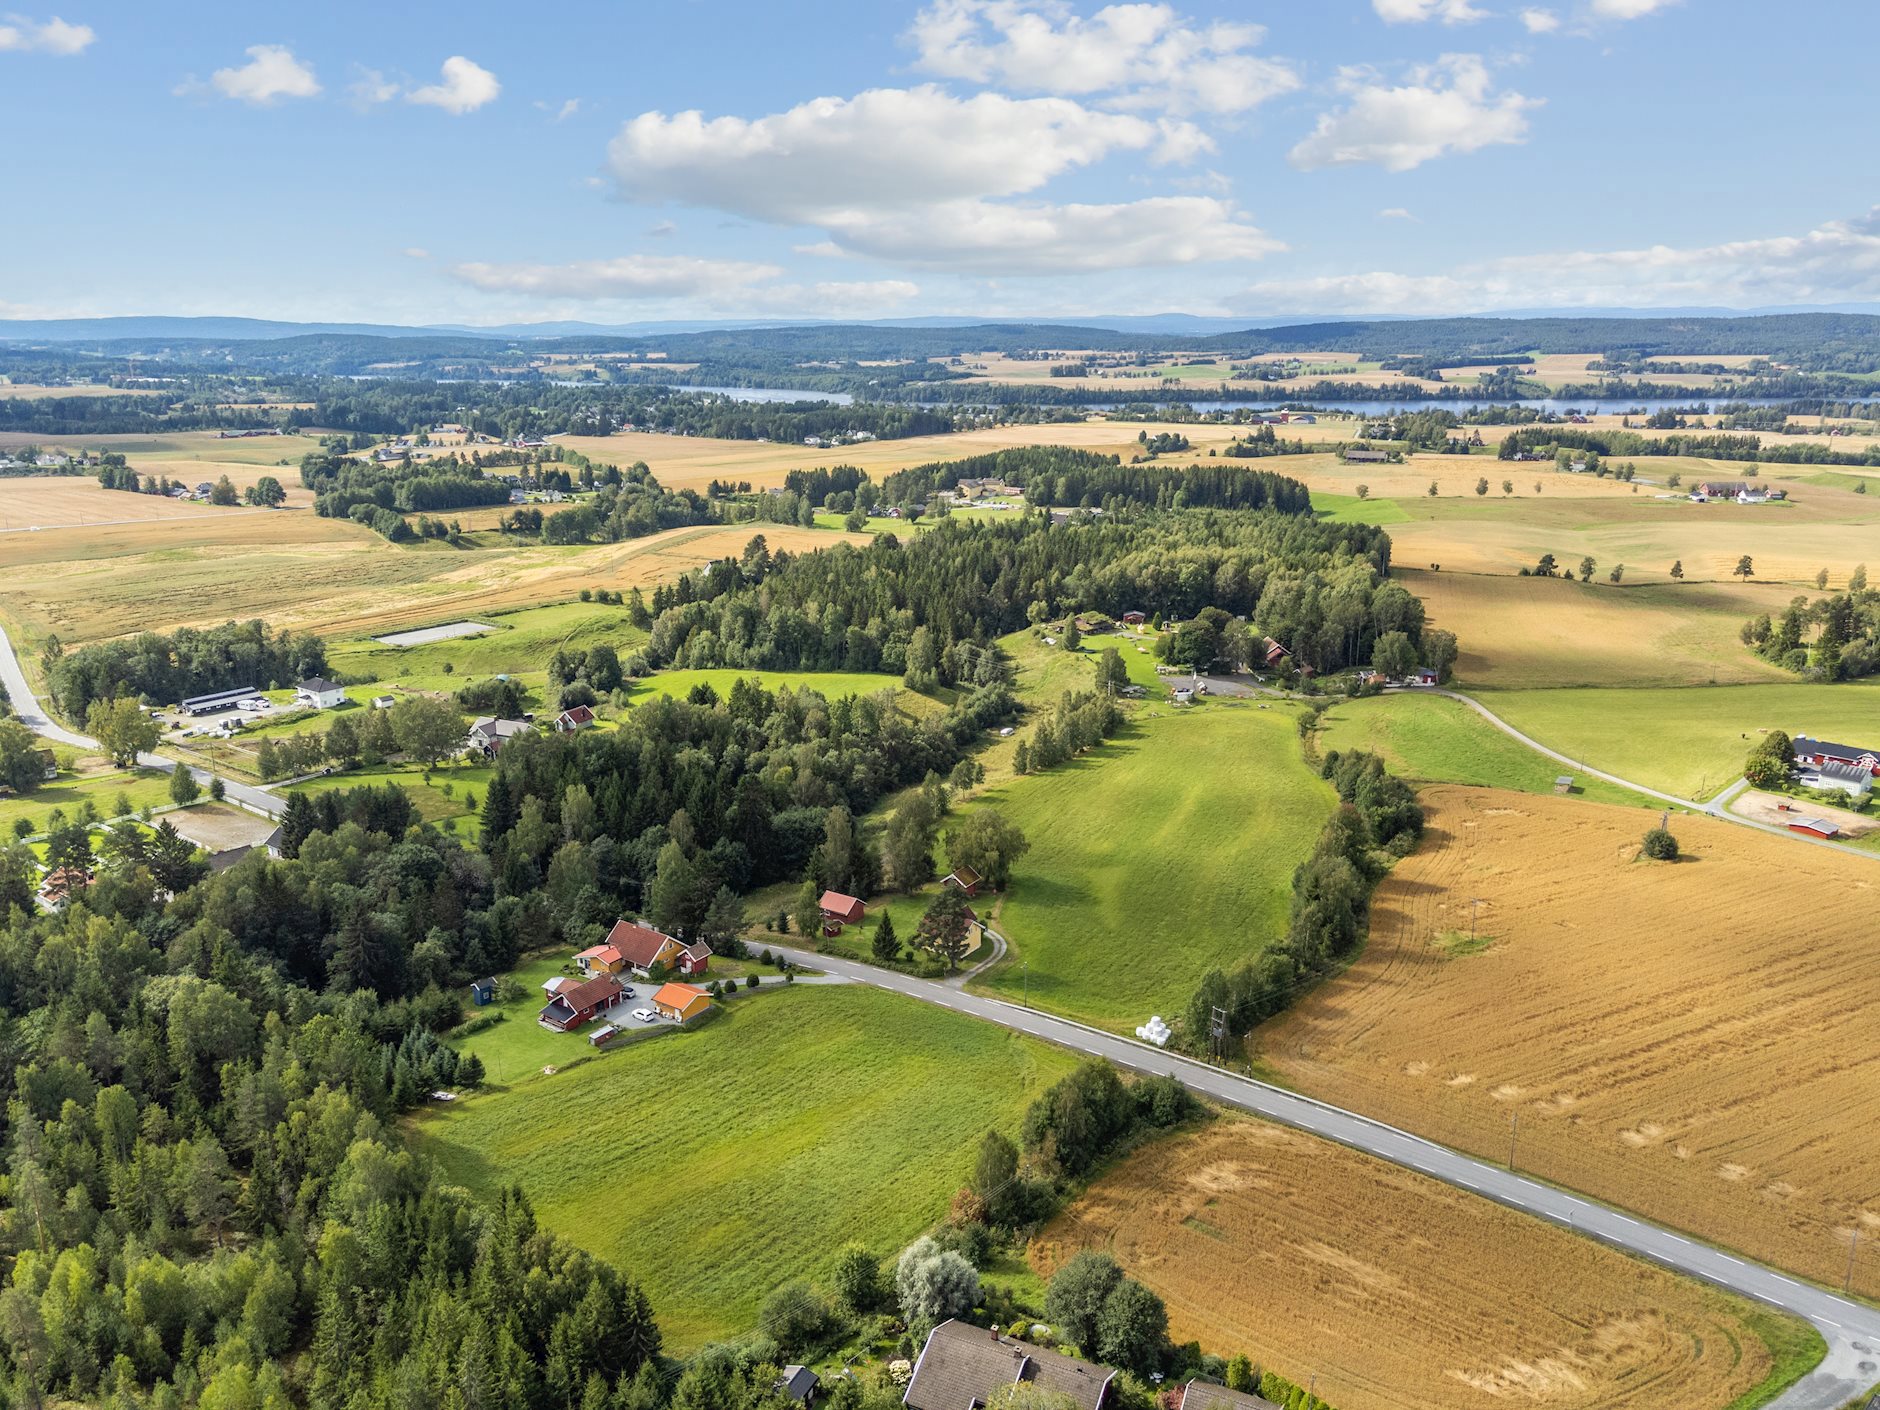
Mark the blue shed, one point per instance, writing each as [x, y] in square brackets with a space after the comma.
[483, 991]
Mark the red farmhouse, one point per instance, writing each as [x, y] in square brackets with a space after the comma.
[576, 1004]
[839, 910]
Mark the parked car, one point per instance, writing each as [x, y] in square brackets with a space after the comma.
[644, 1015]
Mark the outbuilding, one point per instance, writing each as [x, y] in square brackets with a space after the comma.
[681, 1002]
[839, 910]
[482, 991]
[216, 702]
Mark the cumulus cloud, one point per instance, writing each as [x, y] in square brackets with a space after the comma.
[271, 74]
[1136, 55]
[746, 285]
[1417, 11]
[20, 35]
[1628, 9]
[1445, 107]
[1396, 213]
[416, 252]
[1837, 262]
[464, 87]
[1540, 21]
[924, 176]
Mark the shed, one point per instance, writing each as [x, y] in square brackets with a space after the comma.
[681, 1002]
[1563, 783]
[220, 700]
[839, 910]
[799, 1383]
[482, 991]
[602, 1035]
[1815, 827]
[965, 878]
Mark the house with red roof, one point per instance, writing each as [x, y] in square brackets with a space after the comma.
[574, 718]
[640, 947]
[839, 910]
[575, 1005]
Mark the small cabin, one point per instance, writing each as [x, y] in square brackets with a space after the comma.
[482, 991]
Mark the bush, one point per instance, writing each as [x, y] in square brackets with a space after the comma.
[1660, 845]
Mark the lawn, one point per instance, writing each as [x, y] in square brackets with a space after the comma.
[1154, 857]
[1692, 741]
[521, 642]
[829, 684]
[1349, 509]
[715, 1165]
[434, 803]
[142, 787]
[519, 1047]
[1433, 739]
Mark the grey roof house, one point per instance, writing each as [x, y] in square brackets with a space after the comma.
[1206, 1395]
[962, 1365]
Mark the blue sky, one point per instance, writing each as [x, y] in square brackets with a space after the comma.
[485, 163]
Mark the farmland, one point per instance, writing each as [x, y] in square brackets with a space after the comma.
[1166, 851]
[1677, 1038]
[40, 502]
[194, 456]
[801, 1145]
[1401, 1293]
[1689, 742]
[1433, 739]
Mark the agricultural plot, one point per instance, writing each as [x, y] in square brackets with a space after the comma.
[1162, 853]
[35, 503]
[801, 1143]
[1689, 742]
[448, 795]
[829, 684]
[1433, 739]
[1689, 1040]
[517, 643]
[1401, 1293]
[1533, 633]
[194, 456]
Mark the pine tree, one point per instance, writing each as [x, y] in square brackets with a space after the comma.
[887, 945]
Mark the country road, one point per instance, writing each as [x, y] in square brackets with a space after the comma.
[27, 708]
[1851, 1329]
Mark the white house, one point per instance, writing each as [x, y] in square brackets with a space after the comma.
[319, 693]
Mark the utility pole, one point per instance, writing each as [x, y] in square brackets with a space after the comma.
[1847, 1283]
[1474, 902]
[1025, 968]
[1514, 1132]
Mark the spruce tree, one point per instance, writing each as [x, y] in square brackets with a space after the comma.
[887, 945]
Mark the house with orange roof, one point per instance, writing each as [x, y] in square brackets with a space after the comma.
[681, 1002]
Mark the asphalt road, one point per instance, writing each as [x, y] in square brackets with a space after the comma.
[1852, 1329]
[30, 713]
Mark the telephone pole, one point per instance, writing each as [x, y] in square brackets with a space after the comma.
[1514, 1132]
[1847, 1283]
[1474, 903]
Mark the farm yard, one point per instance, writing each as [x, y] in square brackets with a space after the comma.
[1675, 1038]
[805, 1142]
[1690, 742]
[1164, 852]
[1398, 1292]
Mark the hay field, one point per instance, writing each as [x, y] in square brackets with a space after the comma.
[1528, 633]
[1399, 1292]
[1824, 527]
[33, 391]
[326, 574]
[1690, 742]
[193, 456]
[29, 502]
[1455, 477]
[799, 1142]
[1692, 1040]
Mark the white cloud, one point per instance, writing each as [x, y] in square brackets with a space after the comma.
[922, 176]
[745, 285]
[370, 89]
[20, 35]
[416, 252]
[271, 73]
[1417, 11]
[1139, 55]
[1397, 213]
[1628, 9]
[1540, 21]
[568, 110]
[465, 87]
[1837, 262]
[1445, 107]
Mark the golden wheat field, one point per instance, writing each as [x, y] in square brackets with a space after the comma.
[38, 502]
[1399, 1292]
[326, 574]
[1533, 633]
[1691, 1040]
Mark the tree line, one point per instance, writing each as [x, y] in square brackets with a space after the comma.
[162, 669]
[1835, 637]
[1058, 475]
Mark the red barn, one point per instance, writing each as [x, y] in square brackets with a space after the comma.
[839, 910]
[965, 878]
[576, 1004]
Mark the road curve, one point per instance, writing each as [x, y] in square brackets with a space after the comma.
[32, 714]
[1851, 1329]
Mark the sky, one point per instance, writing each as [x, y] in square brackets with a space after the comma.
[624, 160]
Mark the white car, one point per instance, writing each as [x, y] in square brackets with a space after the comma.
[644, 1015]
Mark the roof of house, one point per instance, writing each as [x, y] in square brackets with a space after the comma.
[580, 714]
[679, 996]
[1804, 745]
[319, 685]
[797, 1382]
[1206, 1395]
[695, 949]
[492, 728]
[638, 944]
[589, 992]
[1848, 773]
[962, 1365]
[838, 903]
[965, 876]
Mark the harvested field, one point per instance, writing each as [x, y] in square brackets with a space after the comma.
[1691, 1040]
[1397, 1291]
[1532, 633]
[63, 501]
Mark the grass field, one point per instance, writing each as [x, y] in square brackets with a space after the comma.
[521, 642]
[443, 798]
[323, 574]
[1690, 742]
[1534, 633]
[145, 788]
[1432, 739]
[715, 1165]
[1162, 853]
[519, 1047]
[1401, 1293]
[829, 684]
[1689, 1040]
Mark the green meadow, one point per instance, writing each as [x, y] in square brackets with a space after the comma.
[717, 1164]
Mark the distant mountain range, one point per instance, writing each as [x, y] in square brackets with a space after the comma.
[163, 327]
